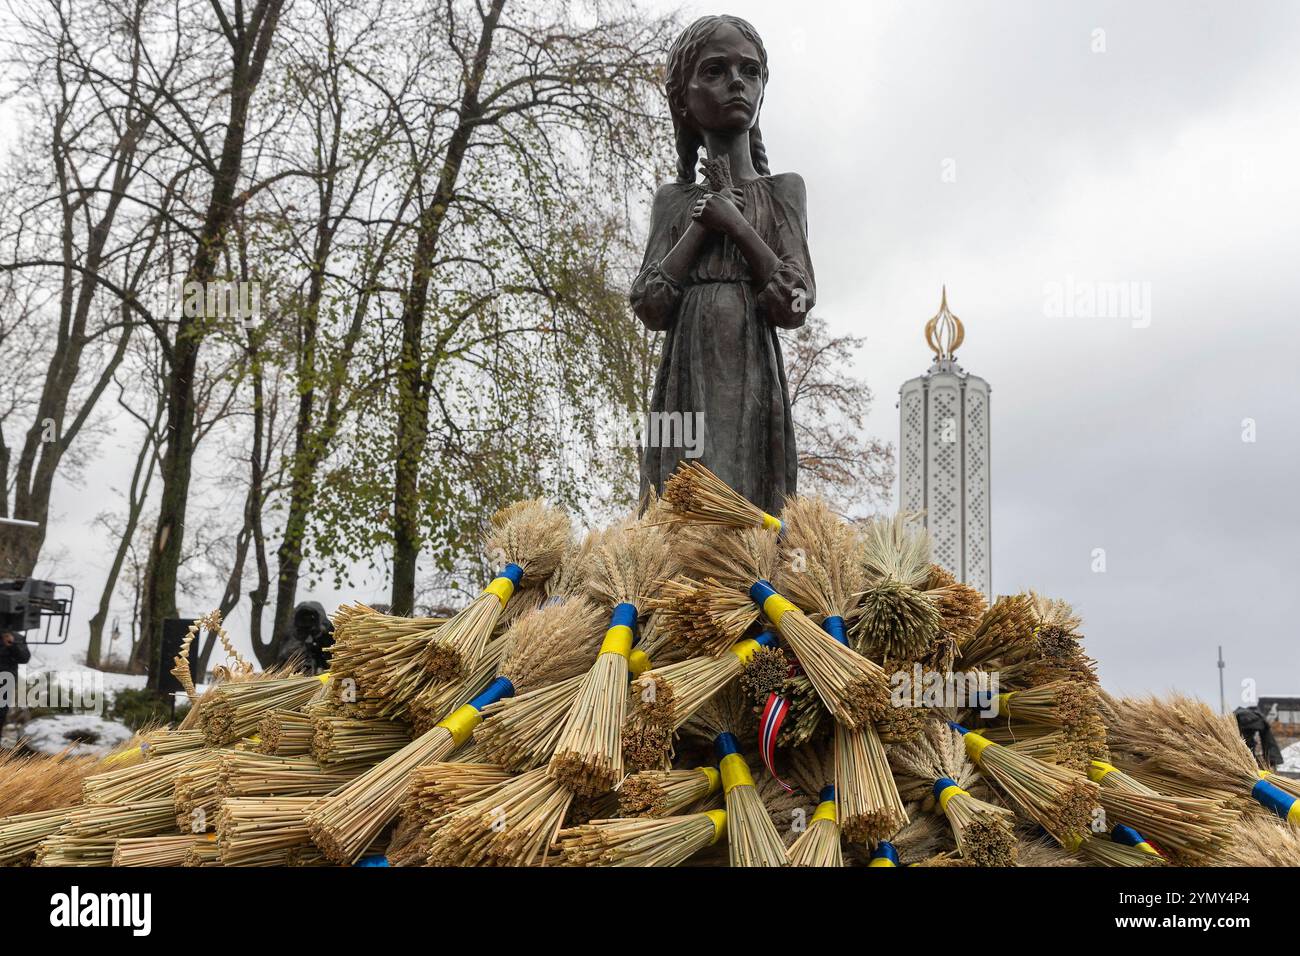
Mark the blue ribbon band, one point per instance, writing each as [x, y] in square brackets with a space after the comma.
[760, 591]
[834, 626]
[725, 744]
[828, 793]
[1273, 797]
[886, 854]
[624, 616]
[942, 784]
[499, 689]
[1126, 835]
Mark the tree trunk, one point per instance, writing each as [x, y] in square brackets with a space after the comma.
[141, 477]
[412, 383]
[250, 45]
[50, 435]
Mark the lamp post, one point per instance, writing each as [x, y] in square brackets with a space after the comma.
[1223, 707]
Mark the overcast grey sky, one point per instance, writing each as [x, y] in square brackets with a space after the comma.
[1169, 160]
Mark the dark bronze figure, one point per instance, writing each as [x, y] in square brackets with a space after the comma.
[726, 265]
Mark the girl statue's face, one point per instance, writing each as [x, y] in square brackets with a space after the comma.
[725, 89]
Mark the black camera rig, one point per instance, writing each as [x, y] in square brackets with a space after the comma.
[27, 604]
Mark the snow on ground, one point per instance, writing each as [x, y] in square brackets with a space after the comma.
[1291, 759]
[87, 734]
[66, 659]
[56, 678]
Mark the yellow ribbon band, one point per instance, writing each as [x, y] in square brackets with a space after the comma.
[735, 773]
[1098, 769]
[771, 522]
[719, 818]
[775, 607]
[715, 778]
[825, 811]
[975, 745]
[618, 640]
[503, 588]
[461, 722]
[114, 758]
[1293, 812]
[881, 861]
[947, 794]
[638, 662]
[323, 677]
[745, 649]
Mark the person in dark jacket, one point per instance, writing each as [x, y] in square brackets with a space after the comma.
[1257, 733]
[312, 635]
[13, 651]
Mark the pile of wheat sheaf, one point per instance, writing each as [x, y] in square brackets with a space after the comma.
[700, 683]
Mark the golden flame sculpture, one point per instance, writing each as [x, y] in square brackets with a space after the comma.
[944, 332]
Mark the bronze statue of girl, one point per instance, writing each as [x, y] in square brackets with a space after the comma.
[726, 265]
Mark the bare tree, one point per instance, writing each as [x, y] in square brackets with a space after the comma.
[146, 464]
[78, 219]
[19, 341]
[342, 237]
[524, 91]
[248, 33]
[837, 458]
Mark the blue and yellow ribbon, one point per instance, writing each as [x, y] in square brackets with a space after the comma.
[505, 583]
[462, 721]
[735, 772]
[825, 806]
[745, 649]
[975, 743]
[1130, 837]
[885, 854]
[621, 632]
[945, 788]
[1273, 797]
[621, 635]
[774, 605]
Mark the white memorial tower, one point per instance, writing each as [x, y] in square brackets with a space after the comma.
[944, 455]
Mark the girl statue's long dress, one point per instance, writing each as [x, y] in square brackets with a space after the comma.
[721, 356]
